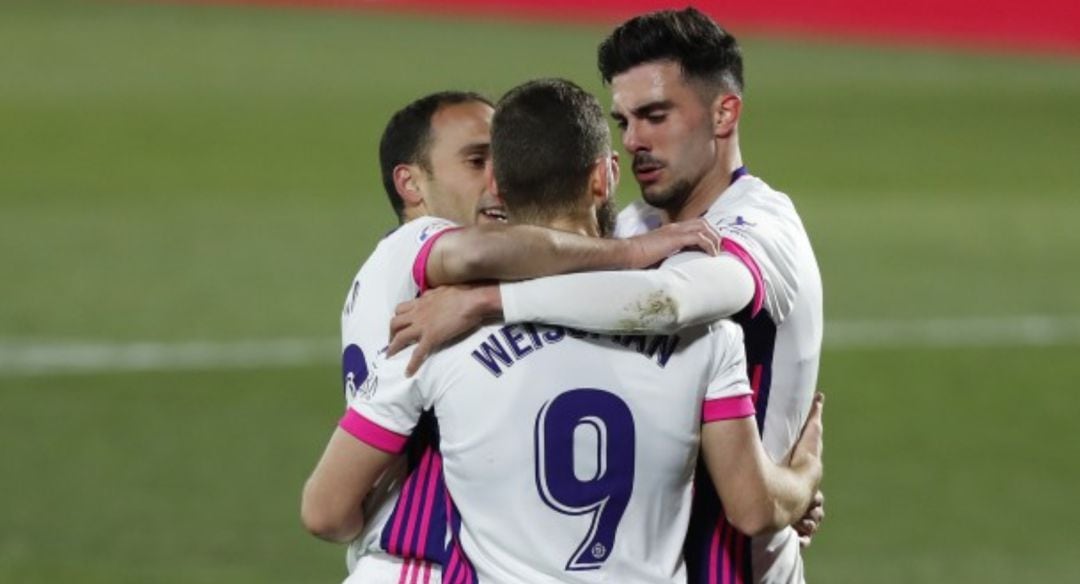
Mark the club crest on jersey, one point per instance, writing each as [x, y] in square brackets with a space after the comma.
[738, 224]
[355, 377]
[432, 229]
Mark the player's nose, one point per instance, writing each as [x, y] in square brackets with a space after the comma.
[633, 140]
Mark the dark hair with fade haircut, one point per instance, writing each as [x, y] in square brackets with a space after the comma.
[407, 137]
[546, 137]
[702, 48]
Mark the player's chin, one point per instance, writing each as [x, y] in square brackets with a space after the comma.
[655, 195]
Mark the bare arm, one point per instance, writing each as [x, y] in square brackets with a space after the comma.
[758, 495]
[518, 252]
[331, 508]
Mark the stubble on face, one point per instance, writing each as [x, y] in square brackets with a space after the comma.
[665, 130]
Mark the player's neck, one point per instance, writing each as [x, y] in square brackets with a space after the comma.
[412, 212]
[581, 224]
[713, 184]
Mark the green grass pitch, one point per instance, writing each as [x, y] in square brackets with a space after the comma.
[170, 173]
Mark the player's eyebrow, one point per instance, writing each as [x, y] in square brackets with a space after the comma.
[481, 148]
[645, 109]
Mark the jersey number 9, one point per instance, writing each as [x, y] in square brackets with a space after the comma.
[581, 413]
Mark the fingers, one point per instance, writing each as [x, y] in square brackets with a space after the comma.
[806, 527]
[810, 442]
[810, 523]
[402, 337]
[418, 357]
[712, 234]
[707, 245]
[814, 423]
[699, 233]
[405, 307]
[399, 323]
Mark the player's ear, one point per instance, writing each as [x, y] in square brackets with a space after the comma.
[407, 184]
[613, 173]
[726, 110]
[601, 181]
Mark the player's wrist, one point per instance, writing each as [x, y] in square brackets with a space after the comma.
[487, 302]
[627, 254]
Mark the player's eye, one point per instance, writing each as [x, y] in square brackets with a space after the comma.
[476, 162]
[656, 118]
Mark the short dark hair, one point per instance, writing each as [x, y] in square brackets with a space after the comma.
[546, 137]
[702, 48]
[407, 137]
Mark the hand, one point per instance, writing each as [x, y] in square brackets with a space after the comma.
[808, 450]
[438, 317]
[809, 523]
[655, 246]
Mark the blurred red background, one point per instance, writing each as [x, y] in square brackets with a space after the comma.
[1039, 25]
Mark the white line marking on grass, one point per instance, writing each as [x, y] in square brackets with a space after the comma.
[28, 358]
[1011, 331]
[75, 357]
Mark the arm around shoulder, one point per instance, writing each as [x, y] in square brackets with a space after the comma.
[332, 501]
[685, 291]
[760, 496]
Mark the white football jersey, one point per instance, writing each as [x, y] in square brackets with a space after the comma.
[394, 273]
[783, 330]
[567, 456]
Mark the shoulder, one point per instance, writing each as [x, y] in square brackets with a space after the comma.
[419, 231]
[751, 205]
[725, 333]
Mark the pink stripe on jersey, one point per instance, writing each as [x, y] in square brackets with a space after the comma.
[755, 380]
[404, 571]
[415, 571]
[419, 268]
[404, 501]
[744, 256]
[727, 408]
[725, 550]
[417, 502]
[427, 572]
[429, 502]
[371, 433]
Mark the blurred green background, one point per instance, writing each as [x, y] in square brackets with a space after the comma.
[171, 174]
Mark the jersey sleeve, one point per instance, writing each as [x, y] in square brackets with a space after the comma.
[689, 288]
[425, 232]
[392, 274]
[384, 413]
[728, 393]
[765, 242]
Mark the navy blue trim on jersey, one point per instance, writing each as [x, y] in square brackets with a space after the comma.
[413, 503]
[730, 561]
[739, 173]
[759, 339]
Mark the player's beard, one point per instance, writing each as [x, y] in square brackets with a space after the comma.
[671, 199]
[605, 217]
